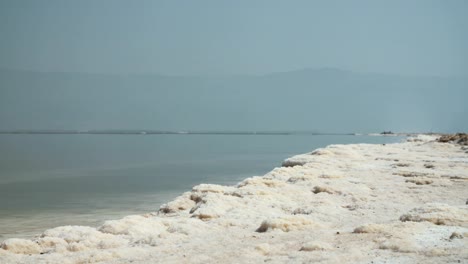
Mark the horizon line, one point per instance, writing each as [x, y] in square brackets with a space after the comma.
[197, 132]
[312, 69]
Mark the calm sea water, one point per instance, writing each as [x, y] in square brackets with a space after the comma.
[52, 180]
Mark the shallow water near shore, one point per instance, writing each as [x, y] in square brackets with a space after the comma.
[53, 180]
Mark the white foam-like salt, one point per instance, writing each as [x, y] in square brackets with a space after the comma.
[327, 206]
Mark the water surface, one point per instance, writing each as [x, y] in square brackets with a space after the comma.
[82, 179]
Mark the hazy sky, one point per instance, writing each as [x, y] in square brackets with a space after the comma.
[231, 37]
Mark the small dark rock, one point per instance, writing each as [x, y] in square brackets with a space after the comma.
[456, 235]
[429, 166]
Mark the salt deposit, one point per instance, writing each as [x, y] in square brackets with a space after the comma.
[361, 203]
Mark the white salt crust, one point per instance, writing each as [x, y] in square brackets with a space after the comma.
[360, 203]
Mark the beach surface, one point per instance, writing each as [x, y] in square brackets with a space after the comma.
[357, 203]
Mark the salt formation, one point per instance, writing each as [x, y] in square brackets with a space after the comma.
[361, 203]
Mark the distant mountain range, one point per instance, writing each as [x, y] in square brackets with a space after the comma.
[330, 100]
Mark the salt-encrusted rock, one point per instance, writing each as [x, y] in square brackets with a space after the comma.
[82, 238]
[21, 246]
[52, 244]
[316, 245]
[183, 202]
[324, 189]
[214, 205]
[420, 181]
[370, 228]
[285, 224]
[213, 188]
[399, 245]
[456, 235]
[460, 138]
[295, 161]
[272, 183]
[136, 228]
[322, 151]
[440, 214]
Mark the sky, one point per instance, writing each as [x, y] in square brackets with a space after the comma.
[213, 37]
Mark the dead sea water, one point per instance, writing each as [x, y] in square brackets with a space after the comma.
[83, 179]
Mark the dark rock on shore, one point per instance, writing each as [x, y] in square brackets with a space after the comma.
[460, 138]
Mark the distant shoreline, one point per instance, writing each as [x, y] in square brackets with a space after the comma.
[160, 132]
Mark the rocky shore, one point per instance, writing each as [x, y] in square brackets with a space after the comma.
[460, 138]
[359, 203]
